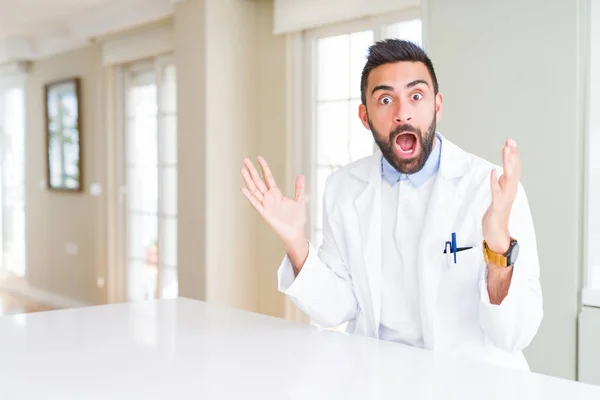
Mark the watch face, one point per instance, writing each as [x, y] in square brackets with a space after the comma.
[513, 253]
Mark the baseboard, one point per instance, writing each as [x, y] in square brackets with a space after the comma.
[21, 287]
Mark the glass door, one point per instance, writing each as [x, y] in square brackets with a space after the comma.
[151, 181]
[12, 177]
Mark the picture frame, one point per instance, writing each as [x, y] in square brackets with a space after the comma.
[63, 135]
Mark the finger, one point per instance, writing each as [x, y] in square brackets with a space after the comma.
[254, 201]
[513, 164]
[516, 160]
[270, 181]
[507, 161]
[255, 178]
[300, 188]
[495, 185]
[251, 186]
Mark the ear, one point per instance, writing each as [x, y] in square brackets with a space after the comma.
[364, 117]
[439, 99]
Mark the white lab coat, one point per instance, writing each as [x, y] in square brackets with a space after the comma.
[341, 281]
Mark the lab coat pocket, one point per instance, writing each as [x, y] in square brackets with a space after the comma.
[461, 283]
[459, 299]
[468, 264]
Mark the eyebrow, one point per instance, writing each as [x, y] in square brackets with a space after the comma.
[407, 86]
[415, 83]
[382, 87]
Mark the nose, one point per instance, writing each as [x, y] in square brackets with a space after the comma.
[403, 114]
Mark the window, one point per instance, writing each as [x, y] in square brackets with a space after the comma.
[335, 58]
[12, 178]
[151, 180]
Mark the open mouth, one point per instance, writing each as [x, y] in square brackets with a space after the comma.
[406, 144]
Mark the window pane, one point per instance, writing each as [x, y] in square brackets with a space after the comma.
[359, 47]
[168, 140]
[141, 280]
[169, 191]
[13, 238]
[168, 244]
[142, 237]
[410, 30]
[361, 139]
[332, 133]
[142, 93]
[169, 284]
[142, 193]
[141, 141]
[12, 181]
[13, 140]
[169, 90]
[142, 111]
[333, 69]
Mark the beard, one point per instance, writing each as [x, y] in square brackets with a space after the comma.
[425, 143]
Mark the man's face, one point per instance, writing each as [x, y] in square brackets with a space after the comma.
[402, 111]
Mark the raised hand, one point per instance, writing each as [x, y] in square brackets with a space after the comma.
[504, 191]
[286, 216]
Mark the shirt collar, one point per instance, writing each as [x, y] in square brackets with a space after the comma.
[392, 175]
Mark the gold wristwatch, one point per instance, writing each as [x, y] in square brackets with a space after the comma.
[507, 259]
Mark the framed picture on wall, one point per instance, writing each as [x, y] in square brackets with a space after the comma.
[63, 135]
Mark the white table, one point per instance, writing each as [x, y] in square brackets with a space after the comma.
[175, 349]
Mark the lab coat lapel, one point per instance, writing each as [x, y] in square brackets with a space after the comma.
[368, 209]
[446, 196]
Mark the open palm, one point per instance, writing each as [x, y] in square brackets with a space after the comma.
[286, 216]
[504, 190]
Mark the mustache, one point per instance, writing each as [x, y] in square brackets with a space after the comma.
[405, 128]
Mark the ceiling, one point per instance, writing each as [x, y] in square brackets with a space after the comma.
[32, 29]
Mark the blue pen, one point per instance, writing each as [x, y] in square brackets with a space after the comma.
[454, 245]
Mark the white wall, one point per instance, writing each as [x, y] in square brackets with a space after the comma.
[511, 68]
[190, 59]
[217, 74]
[55, 220]
[271, 144]
[231, 92]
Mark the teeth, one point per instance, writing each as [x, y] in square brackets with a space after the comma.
[405, 151]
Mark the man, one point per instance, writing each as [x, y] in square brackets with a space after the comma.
[423, 244]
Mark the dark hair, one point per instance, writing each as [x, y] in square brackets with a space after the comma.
[392, 51]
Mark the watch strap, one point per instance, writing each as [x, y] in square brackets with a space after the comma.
[495, 258]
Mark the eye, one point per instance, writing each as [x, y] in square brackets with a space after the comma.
[417, 96]
[385, 100]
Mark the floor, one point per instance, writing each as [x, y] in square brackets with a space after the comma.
[14, 304]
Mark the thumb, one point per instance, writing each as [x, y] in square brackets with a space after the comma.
[300, 189]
